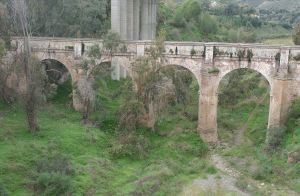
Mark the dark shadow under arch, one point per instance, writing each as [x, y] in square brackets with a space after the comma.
[59, 81]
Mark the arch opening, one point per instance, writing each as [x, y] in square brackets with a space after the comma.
[243, 107]
[59, 81]
[180, 99]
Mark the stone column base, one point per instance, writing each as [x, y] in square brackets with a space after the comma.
[209, 136]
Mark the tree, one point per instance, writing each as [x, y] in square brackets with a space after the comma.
[296, 37]
[33, 93]
[4, 26]
[111, 41]
[30, 69]
[208, 25]
[69, 18]
[232, 9]
[149, 81]
[86, 87]
[87, 96]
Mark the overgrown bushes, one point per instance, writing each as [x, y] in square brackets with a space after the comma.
[130, 145]
[52, 175]
[294, 115]
[3, 191]
[275, 137]
[53, 184]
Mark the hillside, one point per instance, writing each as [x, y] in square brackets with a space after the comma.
[289, 5]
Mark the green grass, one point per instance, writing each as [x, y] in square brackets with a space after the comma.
[176, 156]
[173, 161]
[269, 167]
[280, 41]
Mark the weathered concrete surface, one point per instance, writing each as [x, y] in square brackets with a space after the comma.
[134, 19]
[210, 63]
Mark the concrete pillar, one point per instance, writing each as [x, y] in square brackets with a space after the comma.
[123, 72]
[123, 19]
[115, 69]
[144, 20]
[133, 20]
[153, 20]
[115, 16]
[208, 104]
[130, 16]
[279, 103]
[136, 19]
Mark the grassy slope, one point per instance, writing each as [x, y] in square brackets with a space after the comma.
[171, 163]
[250, 157]
[283, 41]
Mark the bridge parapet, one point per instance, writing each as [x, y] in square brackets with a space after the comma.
[207, 50]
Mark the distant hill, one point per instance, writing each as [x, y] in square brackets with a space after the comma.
[254, 3]
[289, 5]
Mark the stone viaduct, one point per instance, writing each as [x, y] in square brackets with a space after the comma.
[209, 63]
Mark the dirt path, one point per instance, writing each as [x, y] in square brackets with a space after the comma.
[230, 181]
[239, 138]
[261, 187]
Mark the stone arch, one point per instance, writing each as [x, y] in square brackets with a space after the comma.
[209, 93]
[268, 81]
[223, 74]
[190, 64]
[64, 58]
[264, 68]
[188, 68]
[59, 74]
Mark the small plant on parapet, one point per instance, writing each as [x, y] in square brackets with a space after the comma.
[111, 41]
[277, 57]
[123, 48]
[241, 54]
[204, 52]
[171, 51]
[216, 51]
[213, 70]
[249, 55]
[193, 52]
